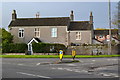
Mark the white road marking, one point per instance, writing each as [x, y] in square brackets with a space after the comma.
[87, 63]
[93, 60]
[20, 64]
[69, 70]
[38, 64]
[77, 71]
[106, 75]
[71, 64]
[81, 61]
[60, 68]
[33, 75]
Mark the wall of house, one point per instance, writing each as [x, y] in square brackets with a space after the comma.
[86, 37]
[45, 34]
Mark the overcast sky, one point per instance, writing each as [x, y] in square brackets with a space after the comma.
[59, 9]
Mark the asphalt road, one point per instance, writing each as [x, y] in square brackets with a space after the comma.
[47, 68]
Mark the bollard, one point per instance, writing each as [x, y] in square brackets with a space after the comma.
[61, 55]
[73, 54]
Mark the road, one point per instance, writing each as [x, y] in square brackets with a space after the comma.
[47, 68]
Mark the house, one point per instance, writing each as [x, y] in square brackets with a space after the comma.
[63, 30]
[102, 36]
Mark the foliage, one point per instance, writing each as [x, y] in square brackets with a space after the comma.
[47, 48]
[6, 36]
[14, 48]
[116, 20]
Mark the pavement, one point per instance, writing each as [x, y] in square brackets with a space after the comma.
[48, 68]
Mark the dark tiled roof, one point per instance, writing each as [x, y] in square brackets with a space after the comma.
[54, 21]
[79, 25]
[38, 39]
[104, 32]
[97, 40]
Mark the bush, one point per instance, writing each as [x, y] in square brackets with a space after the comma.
[47, 47]
[14, 48]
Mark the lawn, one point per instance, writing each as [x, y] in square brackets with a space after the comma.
[56, 56]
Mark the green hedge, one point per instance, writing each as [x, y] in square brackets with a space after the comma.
[14, 48]
[47, 47]
[37, 48]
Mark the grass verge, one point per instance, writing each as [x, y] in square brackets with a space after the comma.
[56, 56]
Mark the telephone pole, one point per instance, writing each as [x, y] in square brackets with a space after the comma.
[109, 42]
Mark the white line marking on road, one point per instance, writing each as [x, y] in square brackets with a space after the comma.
[38, 64]
[60, 68]
[33, 75]
[81, 61]
[69, 70]
[20, 64]
[87, 63]
[93, 60]
[71, 64]
[77, 71]
[106, 75]
[108, 59]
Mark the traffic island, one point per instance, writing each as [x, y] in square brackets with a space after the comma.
[66, 61]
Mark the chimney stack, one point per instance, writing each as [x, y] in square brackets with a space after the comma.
[71, 16]
[91, 18]
[37, 15]
[14, 15]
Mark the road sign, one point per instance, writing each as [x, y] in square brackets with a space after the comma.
[61, 54]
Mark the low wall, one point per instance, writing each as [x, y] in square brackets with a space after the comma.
[92, 50]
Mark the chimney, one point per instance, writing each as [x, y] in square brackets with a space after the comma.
[37, 15]
[14, 15]
[71, 16]
[91, 18]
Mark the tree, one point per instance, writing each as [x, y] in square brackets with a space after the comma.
[6, 36]
[116, 19]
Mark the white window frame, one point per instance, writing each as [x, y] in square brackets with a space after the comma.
[54, 32]
[21, 31]
[78, 35]
[100, 36]
[37, 32]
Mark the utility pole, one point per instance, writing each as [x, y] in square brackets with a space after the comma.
[109, 42]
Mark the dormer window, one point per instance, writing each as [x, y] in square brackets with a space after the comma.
[21, 33]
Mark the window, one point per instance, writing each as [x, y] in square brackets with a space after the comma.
[54, 32]
[37, 32]
[78, 35]
[100, 36]
[21, 33]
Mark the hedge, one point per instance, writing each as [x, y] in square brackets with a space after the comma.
[47, 48]
[37, 48]
[14, 48]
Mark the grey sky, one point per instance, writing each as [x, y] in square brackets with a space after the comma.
[59, 9]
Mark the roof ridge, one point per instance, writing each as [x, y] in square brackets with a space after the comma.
[79, 21]
[43, 18]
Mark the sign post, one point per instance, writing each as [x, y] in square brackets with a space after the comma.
[73, 54]
[61, 54]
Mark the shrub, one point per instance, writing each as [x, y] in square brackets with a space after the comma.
[14, 48]
[47, 47]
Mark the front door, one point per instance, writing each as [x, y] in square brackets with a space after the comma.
[30, 49]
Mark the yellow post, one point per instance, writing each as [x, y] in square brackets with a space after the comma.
[73, 54]
[61, 54]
